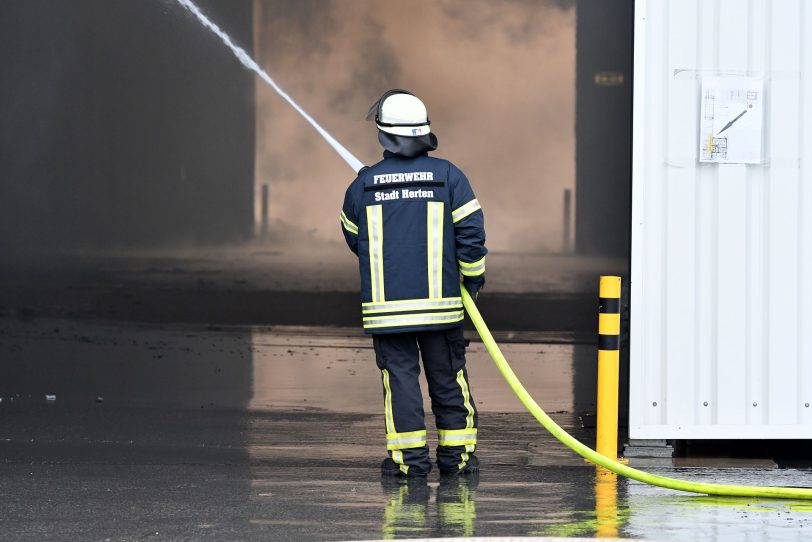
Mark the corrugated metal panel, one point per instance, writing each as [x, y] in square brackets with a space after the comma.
[721, 330]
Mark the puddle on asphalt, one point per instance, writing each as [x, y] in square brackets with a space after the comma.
[339, 374]
[609, 508]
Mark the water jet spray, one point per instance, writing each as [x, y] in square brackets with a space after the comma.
[246, 60]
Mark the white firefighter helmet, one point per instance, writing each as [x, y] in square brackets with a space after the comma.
[399, 112]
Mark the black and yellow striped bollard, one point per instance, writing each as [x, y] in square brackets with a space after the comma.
[608, 366]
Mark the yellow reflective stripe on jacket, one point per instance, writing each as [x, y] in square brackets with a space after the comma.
[412, 305]
[456, 437]
[472, 269]
[348, 224]
[461, 212]
[402, 441]
[375, 231]
[434, 245]
[402, 320]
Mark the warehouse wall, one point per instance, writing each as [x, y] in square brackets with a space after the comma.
[123, 123]
[721, 253]
[603, 111]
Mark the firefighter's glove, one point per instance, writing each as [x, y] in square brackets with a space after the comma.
[474, 285]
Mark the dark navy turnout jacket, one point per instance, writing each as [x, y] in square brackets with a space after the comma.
[416, 227]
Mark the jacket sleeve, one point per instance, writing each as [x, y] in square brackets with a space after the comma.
[349, 218]
[469, 226]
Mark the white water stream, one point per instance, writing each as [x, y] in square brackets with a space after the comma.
[251, 64]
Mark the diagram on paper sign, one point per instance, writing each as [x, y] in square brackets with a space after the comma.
[731, 120]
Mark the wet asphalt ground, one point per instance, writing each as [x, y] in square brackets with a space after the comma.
[235, 433]
[137, 404]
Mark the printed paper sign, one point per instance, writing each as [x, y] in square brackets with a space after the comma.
[731, 120]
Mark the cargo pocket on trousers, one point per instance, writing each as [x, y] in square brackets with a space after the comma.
[379, 359]
[456, 348]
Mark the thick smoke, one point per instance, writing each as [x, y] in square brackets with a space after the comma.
[498, 79]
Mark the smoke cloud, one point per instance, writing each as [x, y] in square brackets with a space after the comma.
[498, 79]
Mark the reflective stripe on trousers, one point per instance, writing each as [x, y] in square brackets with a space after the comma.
[469, 420]
[397, 456]
[403, 441]
[456, 437]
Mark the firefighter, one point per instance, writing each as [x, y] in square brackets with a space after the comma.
[417, 228]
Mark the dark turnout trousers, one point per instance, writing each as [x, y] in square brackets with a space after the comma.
[443, 352]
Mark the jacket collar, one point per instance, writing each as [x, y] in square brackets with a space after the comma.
[407, 147]
[390, 154]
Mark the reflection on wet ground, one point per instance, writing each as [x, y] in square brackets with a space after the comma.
[343, 360]
[188, 432]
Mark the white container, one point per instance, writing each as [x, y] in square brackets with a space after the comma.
[721, 292]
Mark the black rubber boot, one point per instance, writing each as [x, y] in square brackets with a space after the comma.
[471, 467]
[390, 469]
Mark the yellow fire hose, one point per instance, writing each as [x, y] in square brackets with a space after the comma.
[591, 455]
